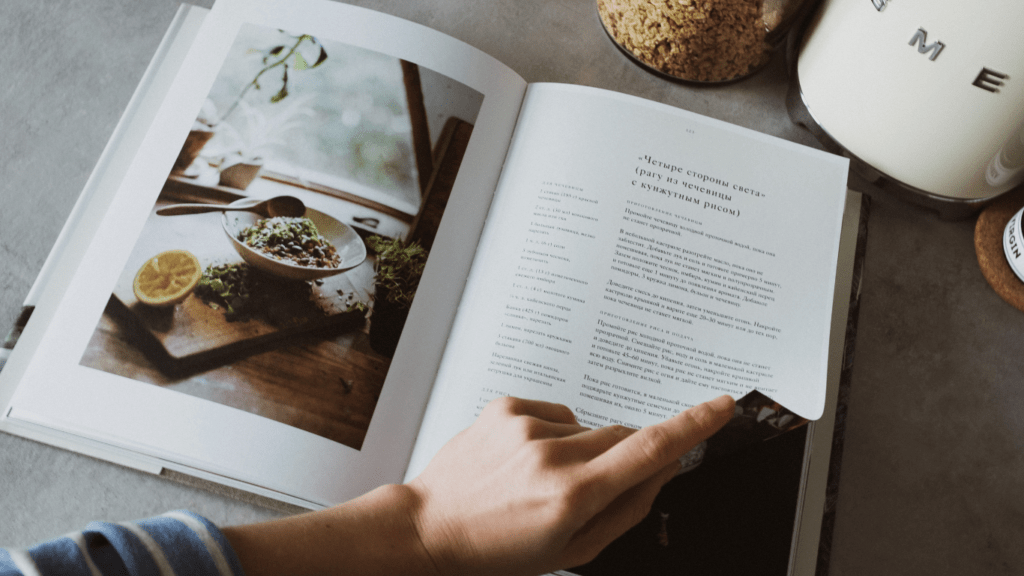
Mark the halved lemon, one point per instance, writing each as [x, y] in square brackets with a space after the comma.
[167, 278]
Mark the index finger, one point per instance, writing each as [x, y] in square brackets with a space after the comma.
[651, 448]
[548, 411]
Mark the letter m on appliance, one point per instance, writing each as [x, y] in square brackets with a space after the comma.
[921, 39]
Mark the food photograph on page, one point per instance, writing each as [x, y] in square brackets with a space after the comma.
[276, 270]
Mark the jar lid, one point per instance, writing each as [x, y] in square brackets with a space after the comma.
[1012, 245]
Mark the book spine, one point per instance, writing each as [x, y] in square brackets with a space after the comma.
[839, 431]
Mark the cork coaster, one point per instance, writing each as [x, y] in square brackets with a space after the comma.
[988, 243]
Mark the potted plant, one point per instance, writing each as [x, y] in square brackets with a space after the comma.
[282, 57]
[244, 149]
[397, 273]
[200, 133]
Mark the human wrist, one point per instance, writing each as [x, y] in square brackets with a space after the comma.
[437, 531]
[373, 534]
[395, 509]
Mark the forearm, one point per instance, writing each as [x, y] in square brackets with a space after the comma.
[526, 490]
[373, 534]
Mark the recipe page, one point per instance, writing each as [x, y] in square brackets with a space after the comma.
[639, 259]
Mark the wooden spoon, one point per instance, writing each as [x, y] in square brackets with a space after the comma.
[276, 206]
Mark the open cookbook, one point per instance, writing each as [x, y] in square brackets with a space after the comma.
[465, 235]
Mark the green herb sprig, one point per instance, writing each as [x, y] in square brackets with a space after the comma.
[398, 268]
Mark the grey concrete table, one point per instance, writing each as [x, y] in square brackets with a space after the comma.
[933, 473]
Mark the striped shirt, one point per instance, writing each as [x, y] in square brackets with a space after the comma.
[176, 543]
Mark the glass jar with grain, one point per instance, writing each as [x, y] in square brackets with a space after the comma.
[704, 41]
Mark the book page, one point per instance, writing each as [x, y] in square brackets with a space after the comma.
[297, 404]
[639, 260]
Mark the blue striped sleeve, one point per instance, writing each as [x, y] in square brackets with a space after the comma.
[175, 543]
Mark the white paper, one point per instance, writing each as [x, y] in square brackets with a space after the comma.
[640, 259]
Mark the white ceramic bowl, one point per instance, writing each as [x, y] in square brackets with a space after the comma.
[347, 243]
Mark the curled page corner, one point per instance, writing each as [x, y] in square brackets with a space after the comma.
[757, 418]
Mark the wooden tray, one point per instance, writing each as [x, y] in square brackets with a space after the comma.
[194, 331]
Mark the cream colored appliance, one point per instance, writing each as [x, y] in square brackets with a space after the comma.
[926, 96]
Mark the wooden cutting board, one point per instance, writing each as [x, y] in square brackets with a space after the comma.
[193, 331]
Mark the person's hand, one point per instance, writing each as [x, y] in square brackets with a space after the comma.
[526, 490]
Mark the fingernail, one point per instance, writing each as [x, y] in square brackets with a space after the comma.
[724, 401]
